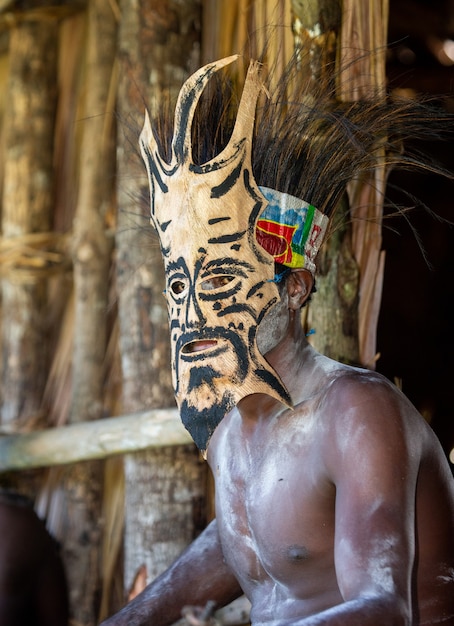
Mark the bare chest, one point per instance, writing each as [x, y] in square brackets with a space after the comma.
[275, 514]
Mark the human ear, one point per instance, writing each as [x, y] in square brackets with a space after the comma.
[299, 287]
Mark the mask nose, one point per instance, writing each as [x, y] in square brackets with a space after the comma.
[194, 315]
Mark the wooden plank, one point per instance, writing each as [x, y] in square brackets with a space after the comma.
[93, 440]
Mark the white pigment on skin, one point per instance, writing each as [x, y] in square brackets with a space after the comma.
[272, 328]
[381, 573]
[379, 567]
[448, 576]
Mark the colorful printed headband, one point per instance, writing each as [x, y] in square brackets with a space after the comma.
[290, 229]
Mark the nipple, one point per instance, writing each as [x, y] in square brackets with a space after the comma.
[297, 553]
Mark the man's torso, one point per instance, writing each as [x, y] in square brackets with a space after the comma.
[275, 510]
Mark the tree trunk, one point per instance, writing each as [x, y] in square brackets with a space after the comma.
[80, 493]
[316, 27]
[332, 313]
[27, 208]
[159, 47]
[172, 482]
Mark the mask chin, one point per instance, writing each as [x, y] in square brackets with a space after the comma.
[272, 328]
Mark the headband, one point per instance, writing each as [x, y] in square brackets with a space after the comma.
[290, 229]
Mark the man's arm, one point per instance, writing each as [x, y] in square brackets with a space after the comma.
[199, 575]
[372, 459]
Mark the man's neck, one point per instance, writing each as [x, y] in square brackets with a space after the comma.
[290, 359]
[293, 360]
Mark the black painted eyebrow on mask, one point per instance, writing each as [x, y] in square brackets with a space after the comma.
[227, 266]
[229, 181]
[216, 220]
[178, 265]
[228, 238]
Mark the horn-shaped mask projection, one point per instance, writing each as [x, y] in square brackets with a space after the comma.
[219, 279]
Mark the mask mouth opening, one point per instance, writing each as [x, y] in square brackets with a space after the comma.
[200, 345]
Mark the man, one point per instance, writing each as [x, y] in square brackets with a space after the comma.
[33, 588]
[334, 501]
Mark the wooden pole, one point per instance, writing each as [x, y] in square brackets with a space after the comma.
[95, 439]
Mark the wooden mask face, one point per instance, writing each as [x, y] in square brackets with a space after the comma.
[219, 279]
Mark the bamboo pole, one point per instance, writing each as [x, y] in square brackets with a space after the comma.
[95, 439]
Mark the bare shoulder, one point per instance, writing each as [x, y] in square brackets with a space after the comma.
[367, 418]
[363, 394]
[362, 410]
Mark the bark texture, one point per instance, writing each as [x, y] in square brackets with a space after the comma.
[332, 313]
[159, 47]
[81, 486]
[27, 207]
[165, 508]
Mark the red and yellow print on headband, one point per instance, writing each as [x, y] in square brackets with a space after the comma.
[290, 229]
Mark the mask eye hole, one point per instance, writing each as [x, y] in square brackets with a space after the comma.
[177, 287]
[215, 282]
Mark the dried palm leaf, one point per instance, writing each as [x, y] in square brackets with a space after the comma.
[362, 76]
[113, 514]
